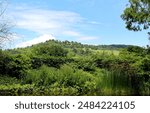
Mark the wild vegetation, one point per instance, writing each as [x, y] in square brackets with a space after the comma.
[71, 68]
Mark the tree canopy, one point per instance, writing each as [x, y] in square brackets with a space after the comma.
[137, 15]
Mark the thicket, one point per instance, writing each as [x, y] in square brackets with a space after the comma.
[70, 68]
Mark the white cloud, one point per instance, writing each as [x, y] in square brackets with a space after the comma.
[58, 23]
[40, 39]
[46, 21]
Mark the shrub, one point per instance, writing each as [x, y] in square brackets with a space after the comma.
[65, 77]
[6, 80]
[85, 63]
[16, 90]
[51, 50]
[50, 61]
[45, 76]
[18, 65]
[135, 49]
[14, 65]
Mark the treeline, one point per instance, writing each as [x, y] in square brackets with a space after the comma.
[72, 44]
[71, 68]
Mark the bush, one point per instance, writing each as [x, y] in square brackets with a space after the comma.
[45, 76]
[143, 71]
[16, 90]
[52, 50]
[85, 63]
[18, 65]
[135, 49]
[6, 80]
[65, 77]
[50, 61]
[14, 65]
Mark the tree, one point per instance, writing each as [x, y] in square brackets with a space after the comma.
[137, 15]
[5, 25]
[52, 50]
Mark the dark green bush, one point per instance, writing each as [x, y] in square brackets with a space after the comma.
[51, 50]
[6, 80]
[135, 49]
[14, 65]
[50, 61]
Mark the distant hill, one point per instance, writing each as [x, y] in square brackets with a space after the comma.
[72, 44]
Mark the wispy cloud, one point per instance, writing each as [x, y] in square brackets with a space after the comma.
[43, 21]
[79, 36]
[37, 40]
[46, 21]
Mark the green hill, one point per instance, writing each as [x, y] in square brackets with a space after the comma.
[72, 68]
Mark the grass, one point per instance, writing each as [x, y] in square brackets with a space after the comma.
[115, 83]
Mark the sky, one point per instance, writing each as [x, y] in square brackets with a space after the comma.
[94, 22]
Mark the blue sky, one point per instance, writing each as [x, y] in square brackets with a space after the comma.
[85, 21]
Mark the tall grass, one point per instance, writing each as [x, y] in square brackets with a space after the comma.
[115, 82]
[44, 76]
[67, 78]
[62, 80]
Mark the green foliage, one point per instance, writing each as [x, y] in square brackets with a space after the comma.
[45, 76]
[71, 68]
[137, 15]
[6, 80]
[135, 49]
[104, 59]
[117, 80]
[139, 66]
[14, 65]
[85, 63]
[50, 61]
[16, 90]
[51, 50]
[65, 77]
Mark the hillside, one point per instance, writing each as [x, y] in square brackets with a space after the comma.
[72, 68]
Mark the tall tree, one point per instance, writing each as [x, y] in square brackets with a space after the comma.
[5, 25]
[137, 15]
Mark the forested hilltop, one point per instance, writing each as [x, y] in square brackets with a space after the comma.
[72, 68]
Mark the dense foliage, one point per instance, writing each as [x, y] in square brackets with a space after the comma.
[71, 68]
[137, 15]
